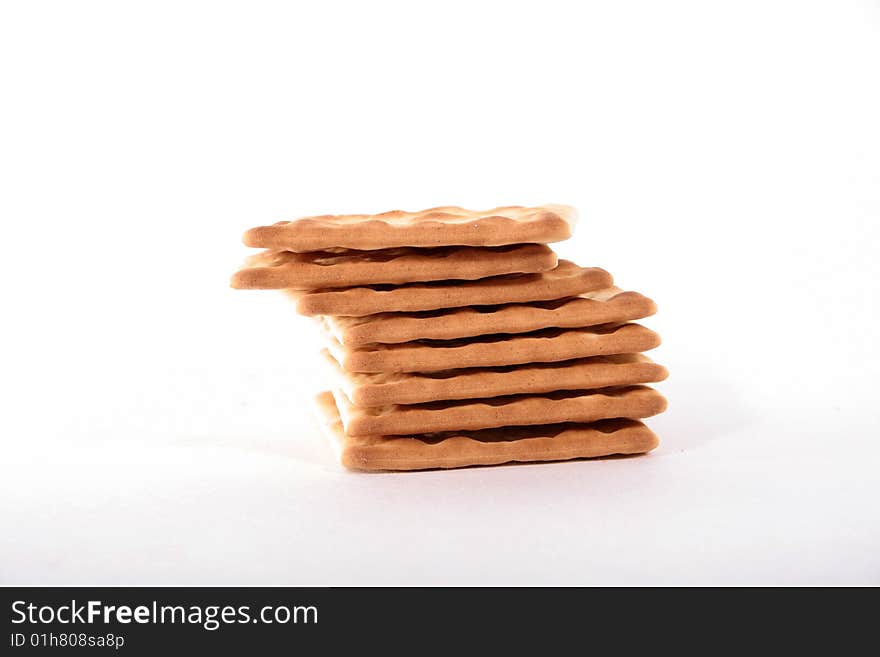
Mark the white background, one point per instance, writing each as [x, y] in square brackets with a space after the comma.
[725, 158]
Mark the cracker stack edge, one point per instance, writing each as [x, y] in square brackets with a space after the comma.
[457, 338]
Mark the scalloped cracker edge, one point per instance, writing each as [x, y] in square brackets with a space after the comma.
[273, 270]
[604, 306]
[535, 443]
[583, 406]
[545, 346]
[565, 280]
[383, 389]
[440, 226]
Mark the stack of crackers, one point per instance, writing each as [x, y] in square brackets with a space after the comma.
[458, 338]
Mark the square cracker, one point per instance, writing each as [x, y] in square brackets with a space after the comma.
[583, 406]
[545, 346]
[441, 226]
[588, 309]
[271, 270]
[565, 280]
[459, 449]
[383, 389]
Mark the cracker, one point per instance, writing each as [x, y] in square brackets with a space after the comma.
[548, 345]
[383, 389]
[632, 402]
[271, 270]
[441, 226]
[589, 309]
[555, 442]
[566, 280]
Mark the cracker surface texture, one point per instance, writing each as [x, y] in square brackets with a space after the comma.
[441, 226]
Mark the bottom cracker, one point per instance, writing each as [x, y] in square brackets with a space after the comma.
[556, 442]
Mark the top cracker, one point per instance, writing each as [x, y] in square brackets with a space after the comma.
[443, 226]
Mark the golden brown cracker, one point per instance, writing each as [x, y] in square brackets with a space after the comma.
[588, 309]
[270, 270]
[583, 406]
[457, 449]
[565, 280]
[545, 346]
[441, 226]
[383, 389]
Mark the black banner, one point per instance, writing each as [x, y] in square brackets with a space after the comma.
[146, 620]
[132, 620]
[151, 621]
